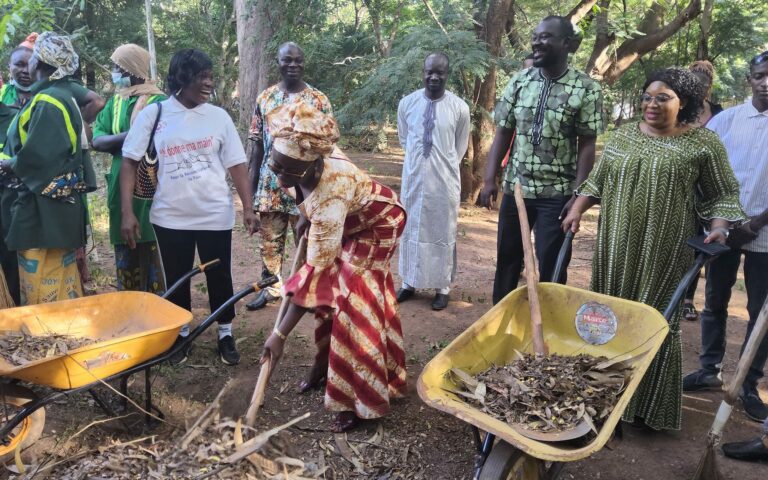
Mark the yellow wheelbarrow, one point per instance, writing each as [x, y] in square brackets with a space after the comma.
[136, 331]
[636, 334]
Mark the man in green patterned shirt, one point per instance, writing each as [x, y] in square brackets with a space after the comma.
[554, 113]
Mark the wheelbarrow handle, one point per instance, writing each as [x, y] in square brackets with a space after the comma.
[565, 251]
[185, 278]
[255, 287]
[704, 254]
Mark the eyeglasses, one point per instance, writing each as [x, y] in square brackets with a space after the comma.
[279, 171]
[661, 98]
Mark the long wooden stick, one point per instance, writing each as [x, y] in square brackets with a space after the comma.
[707, 468]
[530, 273]
[261, 384]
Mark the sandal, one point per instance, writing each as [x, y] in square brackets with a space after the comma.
[315, 380]
[689, 312]
[344, 422]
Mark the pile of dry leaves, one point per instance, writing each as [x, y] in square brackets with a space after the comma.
[21, 347]
[212, 448]
[547, 393]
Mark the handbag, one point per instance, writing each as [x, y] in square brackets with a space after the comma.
[146, 173]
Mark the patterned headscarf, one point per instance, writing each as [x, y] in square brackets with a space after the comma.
[302, 132]
[56, 51]
[133, 59]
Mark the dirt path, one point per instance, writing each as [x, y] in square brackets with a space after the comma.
[415, 441]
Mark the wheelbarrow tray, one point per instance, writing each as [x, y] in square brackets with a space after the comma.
[493, 339]
[131, 327]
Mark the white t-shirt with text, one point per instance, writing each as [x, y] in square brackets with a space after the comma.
[195, 147]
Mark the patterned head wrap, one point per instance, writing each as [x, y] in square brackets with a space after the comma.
[133, 59]
[56, 51]
[29, 42]
[302, 132]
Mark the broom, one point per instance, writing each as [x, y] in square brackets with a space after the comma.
[261, 384]
[707, 469]
[6, 300]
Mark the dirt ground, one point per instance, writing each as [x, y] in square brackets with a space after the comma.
[415, 441]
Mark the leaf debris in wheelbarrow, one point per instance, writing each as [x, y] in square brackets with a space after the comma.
[20, 347]
[549, 393]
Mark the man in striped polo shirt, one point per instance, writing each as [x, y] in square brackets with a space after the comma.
[744, 132]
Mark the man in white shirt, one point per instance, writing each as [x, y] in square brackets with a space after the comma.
[433, 126]
[744, 132]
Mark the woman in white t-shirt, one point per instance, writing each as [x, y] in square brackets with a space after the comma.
[197, 144]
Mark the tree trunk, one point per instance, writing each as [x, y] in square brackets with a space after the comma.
[609, 66]
[375, 11]
[705, 25]
[604, 37]
[492, 31]
[254, 31]
[580, 11]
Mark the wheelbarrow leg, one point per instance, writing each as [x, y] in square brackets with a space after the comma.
[483, 451]
[124, 393]
[149, 407]
[104, 405]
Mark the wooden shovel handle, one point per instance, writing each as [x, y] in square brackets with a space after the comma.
[266, 368]
[258, 393]
[530, 273]
[755, 338]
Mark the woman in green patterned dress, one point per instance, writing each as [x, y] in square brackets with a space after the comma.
[656, 179]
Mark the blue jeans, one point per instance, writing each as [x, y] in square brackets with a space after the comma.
[543, 216]
[721, 277]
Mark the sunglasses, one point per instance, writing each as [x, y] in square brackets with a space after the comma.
[279, 171]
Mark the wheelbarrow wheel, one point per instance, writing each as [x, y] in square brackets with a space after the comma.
[29, 430]
[506, 462]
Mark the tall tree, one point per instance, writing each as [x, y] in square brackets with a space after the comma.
[377, 10]
[256, 23]
[705, 26]
[608, 64]
[490, 25]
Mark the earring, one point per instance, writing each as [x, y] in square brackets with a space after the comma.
[178, 92]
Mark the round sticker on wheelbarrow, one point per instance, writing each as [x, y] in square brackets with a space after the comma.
[596, 323]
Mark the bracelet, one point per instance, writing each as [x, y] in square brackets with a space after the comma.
[279, 334]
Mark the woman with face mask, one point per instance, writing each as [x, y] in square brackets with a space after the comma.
[139, 268]
[18, 90]
[45, 177]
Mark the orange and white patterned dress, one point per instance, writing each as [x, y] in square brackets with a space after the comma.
[355, 226]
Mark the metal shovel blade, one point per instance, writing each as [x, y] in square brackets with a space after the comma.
[581, 429]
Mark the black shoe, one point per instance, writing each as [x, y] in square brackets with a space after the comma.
[181, 356]
[753, 451]
[261, 300]
[440, 301]
[404, 294]
[701, 380]
[228, 351]
[753, 406]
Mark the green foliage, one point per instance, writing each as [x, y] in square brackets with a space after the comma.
[375, 100]
[364, 70]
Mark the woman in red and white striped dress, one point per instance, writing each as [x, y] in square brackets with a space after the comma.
[355, 224]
